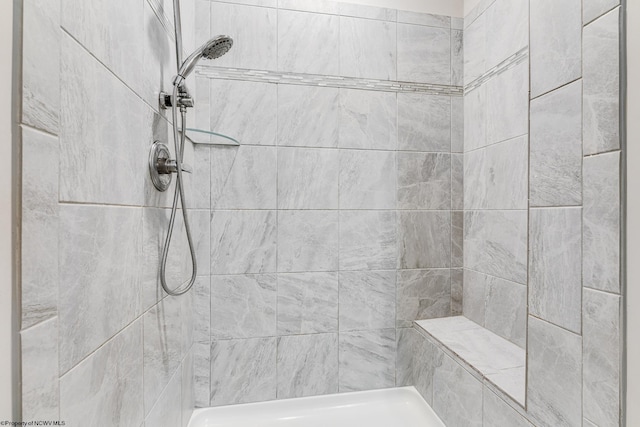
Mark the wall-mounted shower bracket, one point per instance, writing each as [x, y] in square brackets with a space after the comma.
[162, 167]
[184, 99]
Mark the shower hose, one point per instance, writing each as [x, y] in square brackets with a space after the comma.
[179, 141]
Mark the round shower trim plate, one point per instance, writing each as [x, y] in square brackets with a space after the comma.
[159, 154]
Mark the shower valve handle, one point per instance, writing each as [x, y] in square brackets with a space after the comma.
[168, 166]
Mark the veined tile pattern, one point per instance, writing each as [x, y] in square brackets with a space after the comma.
[367, 360]
[512, 61]
[367, 300]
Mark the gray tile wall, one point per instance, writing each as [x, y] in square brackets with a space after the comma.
[101, 343]
[331, 225]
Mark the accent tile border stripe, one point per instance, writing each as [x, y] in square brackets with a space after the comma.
[328, 81]
[507, 64]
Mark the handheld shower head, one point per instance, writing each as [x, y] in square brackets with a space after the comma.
[212, 49]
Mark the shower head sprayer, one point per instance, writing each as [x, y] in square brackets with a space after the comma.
[212, 49]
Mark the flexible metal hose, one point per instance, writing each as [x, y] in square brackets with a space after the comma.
[179, 192]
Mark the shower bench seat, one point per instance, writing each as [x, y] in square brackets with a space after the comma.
[485, 354]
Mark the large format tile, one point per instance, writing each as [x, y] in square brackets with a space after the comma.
[93, 139]
[592, 9]
[496, 176]
[307, 178]
[367, 300]
[601, 377]
[424, 181]
[474, 296]
[474, 49]
[167, 411]
[506, 309]
[243, 371]
[601, 84]
[246, 111]
[188, 396]
[94, 393]
[507, 108]
[555, 277]
[243, 177]
[367, 240]
[202, 374]
[556, 148]
[497, 413]
[495, 243]
[507, 29]
[367, 179]
[424, 239]
[308, 42]
[457, 395]
[99, 276]
[367, 48]
[556, 44]
[307, 365]
[41, 51]
[243, 242]
[554, 383]
[457, 291]
[424, 122]
[457, 58]
[369, 12]
[307, 303]
[457, 239]
[367, 360]
[308, 116]
[475, 119]
[243, 306]
[431, 20]
[424, 54]
[601, 222]
[368, 119]
[422, 294]
[308, 241]
[457, 124]
[254, 32]
[39, 248]
[39, 359]
[330, 7]
[202, 309]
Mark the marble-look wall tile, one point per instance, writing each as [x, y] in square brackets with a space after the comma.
[556, 44]
[187, 398]
[202, 309]
[308, 116]
[424, 181]
[202, 22]
[430, 357]
[202, 93]
[440, 21]
[88, 147]
[99, 276]
[601, 84]
[592, 9]
[474, 296]
[422, 294]
[424, 54]
[307, 178]
[497, 176]
[254, 32]
[424, 239]
[457, 181]
[497, 413]
[554, 374]
[475, 118]
[112, 37]
[243, 242]
[243, 177]
[556, 148]
[506, 310]
[243, 306]
[41, 51]
[367, 300]
[407, 340]
[367, 179]
[457, 291]
[368, 119]
[474, 49]
[39, 359]
[94, 393]
[367, 240]
[167, 411]
[424, 122]
[369, 12]
[457, 124]
[457, 58]
[308, 241]
[39, 248]
[243, 371]
[308, 42]
[507, 29]
[307, 365]
[162, 348]
[367, 48]
[367, 360]
[601, 222]
[246, 111]
[159, 54]
[457, 23]
[457, 239]
[202, 374]
[495, 243]
[307, 303]
[555, 277]
[507, 105]
[326, 6]
[601, 377]
[457, 395]
[200, 191]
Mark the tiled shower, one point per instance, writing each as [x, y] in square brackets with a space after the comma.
[394, 166]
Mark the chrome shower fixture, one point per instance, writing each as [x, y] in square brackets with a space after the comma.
[212, 49]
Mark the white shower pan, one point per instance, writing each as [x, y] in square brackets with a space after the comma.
[398, 407]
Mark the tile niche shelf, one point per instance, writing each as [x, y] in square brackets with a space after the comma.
[484, 354]
[207, 137]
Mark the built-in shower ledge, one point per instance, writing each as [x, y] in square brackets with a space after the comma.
[486, 355]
